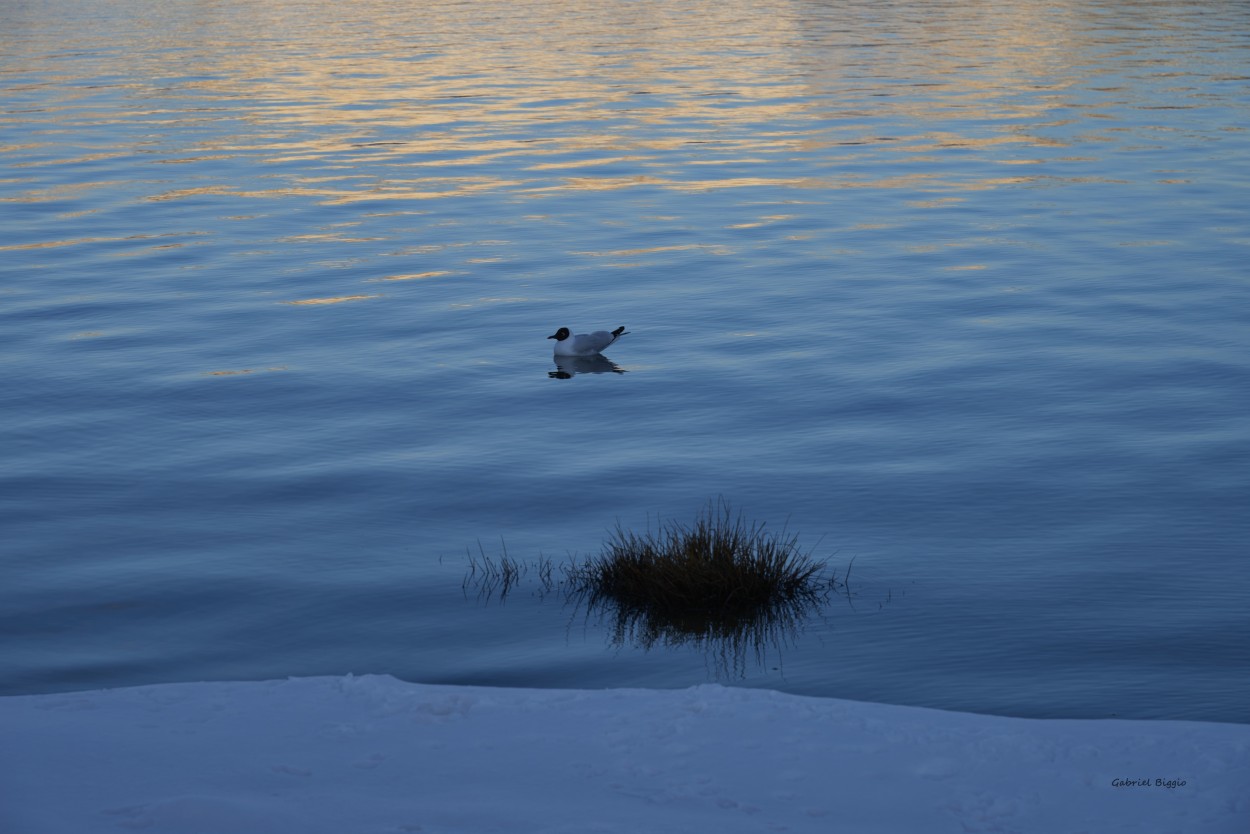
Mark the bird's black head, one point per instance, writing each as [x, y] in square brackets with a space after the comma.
[560, 335]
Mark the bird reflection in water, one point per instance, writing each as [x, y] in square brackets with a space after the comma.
[568, 367]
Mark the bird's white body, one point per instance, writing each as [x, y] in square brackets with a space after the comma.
[584, 344]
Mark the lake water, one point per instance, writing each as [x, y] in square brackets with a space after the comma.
[956, 290]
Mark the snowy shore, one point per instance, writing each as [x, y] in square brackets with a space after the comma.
[374, 755]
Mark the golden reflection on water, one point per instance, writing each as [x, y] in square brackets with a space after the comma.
[576, 96]
[378, 103]
[337, 300]
[416, 276]
[244, 371]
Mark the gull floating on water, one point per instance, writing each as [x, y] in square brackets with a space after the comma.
[584, 344]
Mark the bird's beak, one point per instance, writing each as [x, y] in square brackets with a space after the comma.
[552, 336]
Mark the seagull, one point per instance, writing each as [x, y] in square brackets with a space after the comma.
[584, 344]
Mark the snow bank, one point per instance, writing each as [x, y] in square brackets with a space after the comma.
[367, 755]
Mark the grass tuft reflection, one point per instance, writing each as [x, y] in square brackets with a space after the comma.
[722, 585]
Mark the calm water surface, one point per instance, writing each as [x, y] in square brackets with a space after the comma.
[957, 290]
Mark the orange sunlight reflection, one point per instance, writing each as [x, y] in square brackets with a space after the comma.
[537, 99]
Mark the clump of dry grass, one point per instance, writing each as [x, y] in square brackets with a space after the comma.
[719, 571]
[721, 583]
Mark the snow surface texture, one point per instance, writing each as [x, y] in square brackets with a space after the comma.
[368, 755]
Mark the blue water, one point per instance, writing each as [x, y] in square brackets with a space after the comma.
[958, 291]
